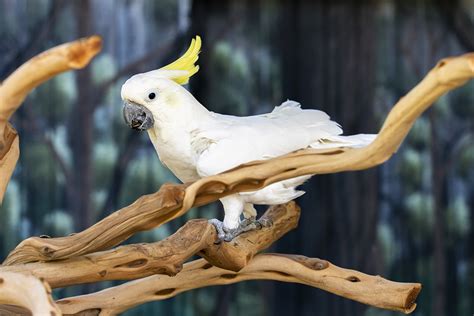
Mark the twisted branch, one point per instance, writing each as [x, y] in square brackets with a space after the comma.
[166, 256]
[198, 236]
[25, 291]
[172, 201]
[367, 289]
[18, 85]
[222, 261]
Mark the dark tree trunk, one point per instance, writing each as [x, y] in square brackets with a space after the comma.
[323, 71]
[439, 231]
[207, 17]
[332, 70]
[127, 152]
[80, 130]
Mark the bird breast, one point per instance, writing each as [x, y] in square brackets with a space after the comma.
[175, 152]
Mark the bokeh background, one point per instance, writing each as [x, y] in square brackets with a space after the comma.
[408, 220]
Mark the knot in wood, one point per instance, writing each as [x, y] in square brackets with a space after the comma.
[47, 251]
[311, 263]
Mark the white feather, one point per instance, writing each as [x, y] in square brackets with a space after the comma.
[193, 142]
[287, 128]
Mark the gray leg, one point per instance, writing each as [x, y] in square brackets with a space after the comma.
[219, 228]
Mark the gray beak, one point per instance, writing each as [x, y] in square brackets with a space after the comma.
[137, 116]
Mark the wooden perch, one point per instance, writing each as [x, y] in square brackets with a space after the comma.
[147, 212]
[227, 262]
[367, 289]
[167, 256]
[198, 236]
[18, 85]
[25, 293]
[172, 201]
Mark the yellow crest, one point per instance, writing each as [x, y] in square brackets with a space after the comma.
[186, 62]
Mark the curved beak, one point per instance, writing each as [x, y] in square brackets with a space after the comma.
[137, 116]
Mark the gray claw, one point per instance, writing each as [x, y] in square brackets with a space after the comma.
[247, 221]
[265, 222]
[231, 234]
[248, 224]
[219, 228]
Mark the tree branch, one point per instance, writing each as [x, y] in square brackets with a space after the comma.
[198, 236]
[363, 288]
[17, 86]
[172, 201]
[145, 213]
[166, 256]
[26, 291]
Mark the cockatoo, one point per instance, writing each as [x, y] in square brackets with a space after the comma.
[193, 142]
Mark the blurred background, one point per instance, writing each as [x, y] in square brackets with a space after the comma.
[408, 220]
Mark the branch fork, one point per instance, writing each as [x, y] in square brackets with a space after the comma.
[161, 266]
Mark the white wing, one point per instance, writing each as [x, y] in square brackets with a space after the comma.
[231, 141]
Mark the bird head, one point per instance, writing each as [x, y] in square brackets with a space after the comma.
[158, 95]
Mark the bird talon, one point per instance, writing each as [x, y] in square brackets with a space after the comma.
[265, 222]
[230, 235]
[247, 221]
[219, 226]
[248, 224]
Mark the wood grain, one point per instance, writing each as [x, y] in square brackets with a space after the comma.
[166, 256]
[19, 84]
[25, 293]
[172, 201]
[367, 289]
[228, 262]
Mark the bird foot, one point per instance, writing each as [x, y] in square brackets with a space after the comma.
[248, 224]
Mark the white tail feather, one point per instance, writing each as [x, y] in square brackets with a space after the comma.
[353, 141]
[276, 193]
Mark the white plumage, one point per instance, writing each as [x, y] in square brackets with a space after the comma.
[236, 140]
[194, 142]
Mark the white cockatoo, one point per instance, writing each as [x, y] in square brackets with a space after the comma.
[193, 142]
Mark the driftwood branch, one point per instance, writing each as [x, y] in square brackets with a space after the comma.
[25, 293]
[172, 201]
[367, 289]
[166, 256]
[223, 263]
[147, 212]
[223, 260]
[19, 84]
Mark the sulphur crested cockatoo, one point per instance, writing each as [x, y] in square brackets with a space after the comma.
[193, 142]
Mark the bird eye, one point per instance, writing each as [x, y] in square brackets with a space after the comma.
[151, 96]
